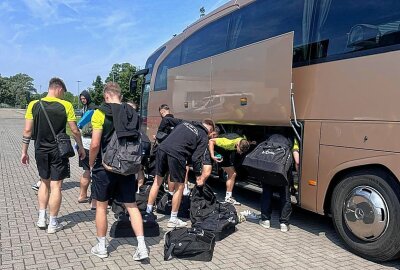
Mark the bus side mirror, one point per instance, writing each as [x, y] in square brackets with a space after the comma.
[133, 85]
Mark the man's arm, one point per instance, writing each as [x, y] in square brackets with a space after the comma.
[26, 137]
[77, 136]
[94, 146]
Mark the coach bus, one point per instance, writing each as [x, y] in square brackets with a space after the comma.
[327, 72]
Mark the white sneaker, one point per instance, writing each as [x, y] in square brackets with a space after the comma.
[284, 227]
[41, 223]
[99, 252]
[231, 200]
[141, 254]
[54, 229]
[177, 223]
[265, 223]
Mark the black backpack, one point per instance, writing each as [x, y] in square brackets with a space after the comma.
[189, 244]
[271, 161]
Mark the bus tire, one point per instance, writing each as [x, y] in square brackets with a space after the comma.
[366, 214]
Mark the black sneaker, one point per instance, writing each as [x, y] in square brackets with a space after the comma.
[35, 187]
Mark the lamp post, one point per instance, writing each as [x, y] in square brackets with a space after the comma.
[78, 81]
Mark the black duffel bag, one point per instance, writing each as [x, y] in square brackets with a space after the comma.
[122, 228]
[221, 221]
[189, 244]
[202, 203]
[271, 161]
[164, 206]
[142, 197]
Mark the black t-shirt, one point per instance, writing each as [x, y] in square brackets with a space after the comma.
[59, 111]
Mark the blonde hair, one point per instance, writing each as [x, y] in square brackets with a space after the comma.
[113, 88]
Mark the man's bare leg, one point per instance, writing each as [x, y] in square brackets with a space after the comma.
[84, 185]
[176, 202]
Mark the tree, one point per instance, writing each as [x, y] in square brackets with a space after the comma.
[122, 74]
[97, 92]
[20, 86]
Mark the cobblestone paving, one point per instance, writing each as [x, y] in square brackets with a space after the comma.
[310, 244]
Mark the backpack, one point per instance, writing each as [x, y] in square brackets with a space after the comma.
[123, 155]
[271, 161]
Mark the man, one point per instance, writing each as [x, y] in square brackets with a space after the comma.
[86, 139]
[188, 140]
[227, 147]
[110, 117]
[52, 169]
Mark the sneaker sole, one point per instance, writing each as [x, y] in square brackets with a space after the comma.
[141, 258]
[53, 231]
[42, 227]
[102, 256]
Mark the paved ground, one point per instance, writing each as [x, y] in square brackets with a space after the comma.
[311, 244]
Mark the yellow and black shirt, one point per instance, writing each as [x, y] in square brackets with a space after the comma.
[59, 111]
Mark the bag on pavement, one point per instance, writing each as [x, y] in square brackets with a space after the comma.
[189, 244]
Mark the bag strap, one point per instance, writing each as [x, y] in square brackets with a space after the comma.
[168, 253]
[48, 120]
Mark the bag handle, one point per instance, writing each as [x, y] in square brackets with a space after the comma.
[48, 120]
[168, 253]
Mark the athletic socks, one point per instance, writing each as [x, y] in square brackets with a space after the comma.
[53, 221]
[102, 242]
[149, 208]
[228, 194]
[141, 242]
[174, 216]
[42, 213]
[171, 193]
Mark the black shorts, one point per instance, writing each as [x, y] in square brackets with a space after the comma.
[107, 185]
[51, 166]
[207, 160]
[228, 157]
[85, 162]
[176, 167]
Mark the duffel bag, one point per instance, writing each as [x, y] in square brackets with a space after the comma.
[164, 206]
[189, 244]
[122, 228]
[202, 203]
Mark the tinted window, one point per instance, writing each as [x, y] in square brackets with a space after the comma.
[342, 27]
[208, 41]
[171, 61]
[264, 19]
[151, 61]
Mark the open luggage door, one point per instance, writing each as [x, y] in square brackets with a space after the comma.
[252, 84]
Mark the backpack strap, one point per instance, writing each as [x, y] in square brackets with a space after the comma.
[168, 253]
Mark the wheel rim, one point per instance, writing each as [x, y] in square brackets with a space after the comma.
[366, 213]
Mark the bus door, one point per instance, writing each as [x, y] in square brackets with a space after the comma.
[190, 87]
[252, 84]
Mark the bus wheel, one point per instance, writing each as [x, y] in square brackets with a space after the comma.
[366, 214]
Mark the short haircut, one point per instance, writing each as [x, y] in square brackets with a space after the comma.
[244, 146]
[57, 82]
[209, 122]
[163, 107]
[112, 87]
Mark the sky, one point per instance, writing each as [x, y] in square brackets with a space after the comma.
[77, 40]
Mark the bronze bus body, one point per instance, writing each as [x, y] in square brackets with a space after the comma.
[349, 107]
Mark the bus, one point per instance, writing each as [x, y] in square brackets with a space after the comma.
[327, 72]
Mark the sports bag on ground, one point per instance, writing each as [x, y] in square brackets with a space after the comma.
[164, 205]
[142, 197]
[189, 244]
[123, 155]
[221, 222]
[271, 160]
[122, 227]
[202, 203]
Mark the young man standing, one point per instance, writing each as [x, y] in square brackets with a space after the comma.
[121, 118]
[88, 105]
[52, 169]
[189, 140]
[227, 148]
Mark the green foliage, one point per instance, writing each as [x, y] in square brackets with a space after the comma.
[122, 73]
[16, 90]
[96, 93]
